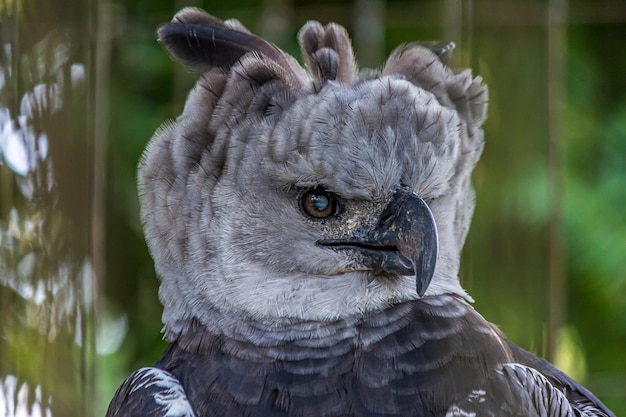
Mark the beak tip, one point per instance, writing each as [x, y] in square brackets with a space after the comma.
[421, 284]
[421, 292]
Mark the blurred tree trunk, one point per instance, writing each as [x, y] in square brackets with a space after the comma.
[51, 104]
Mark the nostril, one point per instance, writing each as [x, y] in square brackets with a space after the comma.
[386, 216]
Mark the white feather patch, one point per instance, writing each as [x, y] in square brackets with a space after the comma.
[171, 395]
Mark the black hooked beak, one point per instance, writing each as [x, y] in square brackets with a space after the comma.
[404, 241]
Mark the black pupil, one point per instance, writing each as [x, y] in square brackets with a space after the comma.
[320, 201]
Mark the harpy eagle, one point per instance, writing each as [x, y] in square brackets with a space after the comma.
[307, 225]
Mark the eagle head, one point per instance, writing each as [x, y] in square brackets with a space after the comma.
[311, 193]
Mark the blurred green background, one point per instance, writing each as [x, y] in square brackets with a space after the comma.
[546, 254]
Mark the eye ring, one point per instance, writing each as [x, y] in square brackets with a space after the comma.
[318, 203]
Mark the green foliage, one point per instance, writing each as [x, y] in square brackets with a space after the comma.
[595, 218]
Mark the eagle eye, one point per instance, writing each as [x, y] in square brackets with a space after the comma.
[319, 203]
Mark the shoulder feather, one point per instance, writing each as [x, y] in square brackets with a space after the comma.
[150, 392]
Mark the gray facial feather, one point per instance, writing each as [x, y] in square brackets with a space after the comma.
[220, 186]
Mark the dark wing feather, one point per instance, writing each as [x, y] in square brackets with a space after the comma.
[580, 397]
[532, 387]
[150, 392]
[515, 390]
